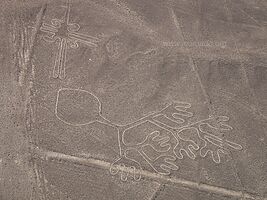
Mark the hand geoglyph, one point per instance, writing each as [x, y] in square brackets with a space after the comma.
[166, 135]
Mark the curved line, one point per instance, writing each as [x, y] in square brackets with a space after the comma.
[57, 99]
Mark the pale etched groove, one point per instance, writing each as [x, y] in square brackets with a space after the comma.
[211, 110]
[133, 21]
[92, 162]
[36, 28]
[191, 63]
[243, 70]
[248, 15]
[26, 43]
[29, 104]
[69, 38]
[244, 74]
[210, 18]
[147, 31]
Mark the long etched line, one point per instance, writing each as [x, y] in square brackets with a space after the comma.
[63, 59]
[84, 38]
[135, 23]
[191, 61]
[58, 71]
[244, 75]
[84, 42]
[46, 26]
[48, 31]
[242, 66]
[248, 15]
[67, 13]
[195, 70]
[92, 162]
[36, 28]
[56, 65]
[26, 42]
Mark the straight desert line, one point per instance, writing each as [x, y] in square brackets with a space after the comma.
[179, 182]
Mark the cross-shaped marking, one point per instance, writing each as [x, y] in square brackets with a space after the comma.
[67, 36]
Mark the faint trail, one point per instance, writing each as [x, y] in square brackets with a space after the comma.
[210, 106]
[29, 104]
[23, 41]
[243, 69]
[193, 67]
[178, 182]
[128, 18]
[191, 61]
[210, 18]
[26, 43]
[244, 74]
[36, 28]
[248, 15]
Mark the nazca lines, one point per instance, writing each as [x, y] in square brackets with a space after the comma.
[173, 119]
[67, 36]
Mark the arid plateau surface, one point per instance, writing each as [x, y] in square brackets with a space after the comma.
[133, 100]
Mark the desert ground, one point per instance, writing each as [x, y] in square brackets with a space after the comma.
[133, 100]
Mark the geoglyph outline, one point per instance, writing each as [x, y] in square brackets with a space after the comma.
[71, 39]
[123, 147]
